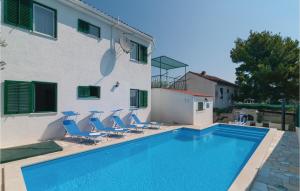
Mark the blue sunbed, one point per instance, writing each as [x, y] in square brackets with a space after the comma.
[99, 126]
[119, 123]
[138, 121]
[73, 130]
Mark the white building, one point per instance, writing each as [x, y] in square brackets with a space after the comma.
[222, 90]
[172, 103]
[65, 55]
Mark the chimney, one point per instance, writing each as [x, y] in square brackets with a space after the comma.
[203, 73]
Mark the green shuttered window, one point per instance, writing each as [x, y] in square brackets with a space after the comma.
[32, 16]
[17, 97]
[139, 53]
[29, 97]
[88, 91]
[18, 13]
[88, 28]
[138, 98]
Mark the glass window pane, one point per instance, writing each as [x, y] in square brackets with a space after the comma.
[43, 20]
[134, 98]
[45, 96]
[134, 51]
[94, 31]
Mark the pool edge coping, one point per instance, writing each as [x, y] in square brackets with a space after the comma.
[14, 177]
[248, 173]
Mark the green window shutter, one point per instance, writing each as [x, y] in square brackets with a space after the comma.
[17, 97]
[25, 14]
[83, 91]
[83, 26]
[143, 54]
[143, 98]
[11, 12]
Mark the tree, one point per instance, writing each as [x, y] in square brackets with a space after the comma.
[268, 67]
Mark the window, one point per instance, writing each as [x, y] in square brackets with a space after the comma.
[31, 16]
[221, 93]
[134, 52]
[44, 20]
[207, 105]
[45, 96]
[134, 98]
[29, 97]
[88, 28]
[139, 52]
[200, 106]
[88, 91]
[138, 98]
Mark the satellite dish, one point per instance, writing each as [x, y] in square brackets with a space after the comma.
[125, 44]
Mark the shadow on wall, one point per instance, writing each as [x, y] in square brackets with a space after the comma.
[54, 130]
[108, 62]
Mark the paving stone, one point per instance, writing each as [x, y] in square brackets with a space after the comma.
[281, 170]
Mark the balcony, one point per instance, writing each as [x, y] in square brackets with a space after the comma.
[164, 78]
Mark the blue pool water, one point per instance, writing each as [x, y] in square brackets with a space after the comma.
[178, 160]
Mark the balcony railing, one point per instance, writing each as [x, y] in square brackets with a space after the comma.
[164, 81]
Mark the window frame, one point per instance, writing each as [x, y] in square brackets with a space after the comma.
[88, 32]
[139, 57]
[30, 28]
[31, 100]
[34, 3]
[89, 96]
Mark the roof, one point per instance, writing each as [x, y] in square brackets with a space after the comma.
[214, 79]
[167, 63]
[198, 94]
[106, 17]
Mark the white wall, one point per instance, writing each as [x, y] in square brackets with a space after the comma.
[226, 101]
[199, 84]
[71, 60]
[173, 107]
[204, 117]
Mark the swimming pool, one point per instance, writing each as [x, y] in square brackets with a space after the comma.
[178, 160]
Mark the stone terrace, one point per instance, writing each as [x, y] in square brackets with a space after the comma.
[280, 171]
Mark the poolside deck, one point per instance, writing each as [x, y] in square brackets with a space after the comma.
[281, 169]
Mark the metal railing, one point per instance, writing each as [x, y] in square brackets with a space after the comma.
[164, 81]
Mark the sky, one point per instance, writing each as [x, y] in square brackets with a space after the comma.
[201, 33]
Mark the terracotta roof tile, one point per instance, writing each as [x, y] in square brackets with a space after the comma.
[190, 93]
[214, 79]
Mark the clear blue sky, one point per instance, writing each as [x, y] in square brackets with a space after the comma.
[201, 33]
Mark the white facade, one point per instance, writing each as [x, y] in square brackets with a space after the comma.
[169, 106]
[72, 59]
[221, 93]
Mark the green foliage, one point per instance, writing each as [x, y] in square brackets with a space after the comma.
[268, 66]
[218, 111]
[261, 106]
